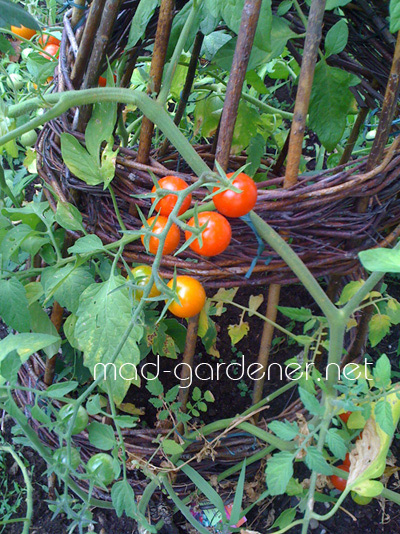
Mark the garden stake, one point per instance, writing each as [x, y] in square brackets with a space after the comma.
[77, 11]
[156, 72]
[313, 37]
[382, 134]
[56, 319]
[89, 33]
[191, 73]
[103, 35]
[247, 31]
[187, 361]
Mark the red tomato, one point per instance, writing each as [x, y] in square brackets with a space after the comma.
[51, 49]
[21, 31]
[346, 461]
[172, 239]
[191, 294]
[345, 416]
[103, 81]
[216, 236]
[45, 40]
[233, 204]
[340, 483]
[166, 204]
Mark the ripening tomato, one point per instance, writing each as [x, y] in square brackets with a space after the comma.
[102, 466]
[103, 81]
[141, 275]
[81, 421]
[340, 483]
[21, 31]
[45, 40]
[172, 239]
[191, 294]
[51, 50]
[216, 235]
[166, 204]
[345, 416]
[360, 499]
[233, 204]
[346, 461]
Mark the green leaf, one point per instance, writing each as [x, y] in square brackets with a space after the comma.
[12, 14]
[31, 214]
[69, 217]
[294, 487]
[336, 443]
[25, 344]
[285, 518]
[141, 18]
[247, 121]
[69, 331]
[93, 405]
[349, 291]
[101, 436]
[14, 305]
[333, 4]
[393, 311]
[103, 317]
[205, 487]
[122, 495]
[284, 429]
[284, 7]
[394, 11]
[316, 462]
[310, 402]
[171, 447]
[87, 244]
[379, 326]
[382, 372]
[33, 290]
[383, 260]
[125, 421]
[369, 488]
[154, 386]
[279, 471]
[336, 38]
[384, 417]
[56, 391]
[9, 367]
[196, 394]
[82, 164]
[331, 101]
[41, 323]
[213, 42]
[100, 127]
[206, 115]
[297, 314]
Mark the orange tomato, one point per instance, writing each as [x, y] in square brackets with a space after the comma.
[191, 295]
[103, 80]
[21, 31]
[172, 239]
[51, 50]
[45, 40]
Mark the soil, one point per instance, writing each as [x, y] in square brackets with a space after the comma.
[377, 517]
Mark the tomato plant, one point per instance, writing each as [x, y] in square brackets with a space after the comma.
[51, 49]
[232, 204]
[141, 275]
[81, 421]
[158, 224]
[340, 483]
[216, 236]
[22, 31]
[166, 204]
[102, 466]
[191, 294]
[345, 416]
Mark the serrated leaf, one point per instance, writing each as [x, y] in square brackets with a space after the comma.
[336, 443]
[310, 402]
[316, 462]
[238, 331]
[25, 344]
[171, 447]
[284, 429]
[382, 371]
[103, 317]
[143, 13]
[349, 291]
[285, 518]
[331, 101]
[14, 305]
[82, 164]
[279, 471]
[394, 11]
[393, 311]
[57, 391]
[336, 38]
[379, 327]
[87, 244]
[383, 260]
[297, 314]
[123, 498]
[67, 285]
[68, 216]
[384, 416]
[101, 436]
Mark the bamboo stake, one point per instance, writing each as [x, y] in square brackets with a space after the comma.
[156, 72]
[77, 12]
[187, 88]
[309, 59]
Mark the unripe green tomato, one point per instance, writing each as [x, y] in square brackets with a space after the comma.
[61, 456]
[28, 138]
[102, 466]
[15, 81]
[359, 499]
[370, 136]
[81, 420]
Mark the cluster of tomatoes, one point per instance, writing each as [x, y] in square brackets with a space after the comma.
[215, 236]
[49, 43]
